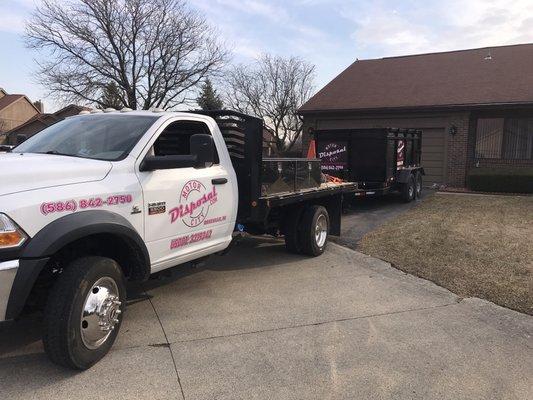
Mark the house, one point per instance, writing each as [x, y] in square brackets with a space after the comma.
[15, 109]
[269, 144]
[475, 107]
[41, 121]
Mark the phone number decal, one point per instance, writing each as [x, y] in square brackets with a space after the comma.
[94, 202]
[189, 239]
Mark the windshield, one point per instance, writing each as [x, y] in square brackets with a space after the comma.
[102, 137]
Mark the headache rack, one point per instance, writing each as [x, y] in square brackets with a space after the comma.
[243, 135]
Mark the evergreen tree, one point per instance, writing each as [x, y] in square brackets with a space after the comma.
[209, 99]
[111, 97]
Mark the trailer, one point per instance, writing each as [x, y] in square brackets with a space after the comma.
[378, 160]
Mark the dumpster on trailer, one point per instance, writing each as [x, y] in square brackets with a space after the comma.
[379, 160]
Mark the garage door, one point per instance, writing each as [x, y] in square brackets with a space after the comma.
[433, 155]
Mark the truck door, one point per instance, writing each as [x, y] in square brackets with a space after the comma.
[188, 211]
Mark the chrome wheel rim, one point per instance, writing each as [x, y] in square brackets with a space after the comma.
[321, 230]
[411, 191]
[100, 313]
[418, 186]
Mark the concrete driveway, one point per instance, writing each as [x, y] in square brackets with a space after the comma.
[262, 324]
[364, 214]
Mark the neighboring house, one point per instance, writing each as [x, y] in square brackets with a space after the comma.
[269, 144]
[15, 109]
[41, 121]
[475, 107]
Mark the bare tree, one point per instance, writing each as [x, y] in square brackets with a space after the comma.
[155, 51]
[273, 88]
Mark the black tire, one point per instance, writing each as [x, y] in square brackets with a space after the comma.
[292, 231]
[408, 190]
[418, 185]
[62, 336]
[308, 227]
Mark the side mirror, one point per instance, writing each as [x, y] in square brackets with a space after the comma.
[203, 147]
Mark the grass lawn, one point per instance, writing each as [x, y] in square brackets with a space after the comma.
[476, 246]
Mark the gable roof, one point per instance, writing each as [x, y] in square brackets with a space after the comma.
[39, 119]
[70, 110]
[464, 78]
[10, 99]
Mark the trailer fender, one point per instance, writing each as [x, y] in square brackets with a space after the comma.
[403, 175]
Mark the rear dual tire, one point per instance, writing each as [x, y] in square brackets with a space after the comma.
[418, 185]
[306, 232]
[412, 189]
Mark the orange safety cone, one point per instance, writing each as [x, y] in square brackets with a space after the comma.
[311, 152]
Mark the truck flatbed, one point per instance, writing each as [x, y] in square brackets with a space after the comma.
[325, 189]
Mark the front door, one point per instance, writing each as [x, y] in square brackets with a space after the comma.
[186, 209]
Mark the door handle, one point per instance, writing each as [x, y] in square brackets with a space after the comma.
[219, 181]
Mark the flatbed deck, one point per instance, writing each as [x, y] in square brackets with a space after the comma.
[325, 189]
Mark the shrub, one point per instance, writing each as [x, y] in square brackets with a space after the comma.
[510, 179]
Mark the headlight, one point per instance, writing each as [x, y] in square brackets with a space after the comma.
[10, 234]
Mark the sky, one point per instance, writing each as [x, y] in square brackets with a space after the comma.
[330, 34]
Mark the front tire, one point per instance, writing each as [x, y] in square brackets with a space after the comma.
[84, 312]
[314, 231]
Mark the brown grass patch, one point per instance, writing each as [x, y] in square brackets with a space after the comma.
[475, 246]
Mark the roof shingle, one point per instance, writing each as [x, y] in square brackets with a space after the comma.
[495, 75]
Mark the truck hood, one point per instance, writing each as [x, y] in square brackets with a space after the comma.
[28, 171]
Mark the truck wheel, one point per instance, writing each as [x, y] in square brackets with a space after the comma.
[418, 185]
[408, 190]
[292, 231]
[84, 312]
[314, 231]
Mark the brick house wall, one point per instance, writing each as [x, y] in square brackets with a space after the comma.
[458, 145]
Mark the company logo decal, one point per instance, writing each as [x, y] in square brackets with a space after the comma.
[333, 156]
[157, 208]
[400, 153]
[195, 200]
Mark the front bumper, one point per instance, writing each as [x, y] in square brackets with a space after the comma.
[8, 271]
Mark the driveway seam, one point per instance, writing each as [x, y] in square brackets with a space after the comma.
[169, 348]
[313, 324]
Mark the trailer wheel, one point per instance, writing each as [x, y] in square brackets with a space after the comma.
[408, 190]
[314, 231]
[292, 231]
[418, 185]
[84, 312]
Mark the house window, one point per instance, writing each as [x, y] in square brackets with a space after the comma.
[504, 138]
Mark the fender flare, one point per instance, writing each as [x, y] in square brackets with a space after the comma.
[70, 228]
[403, 176]
[61, 232]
